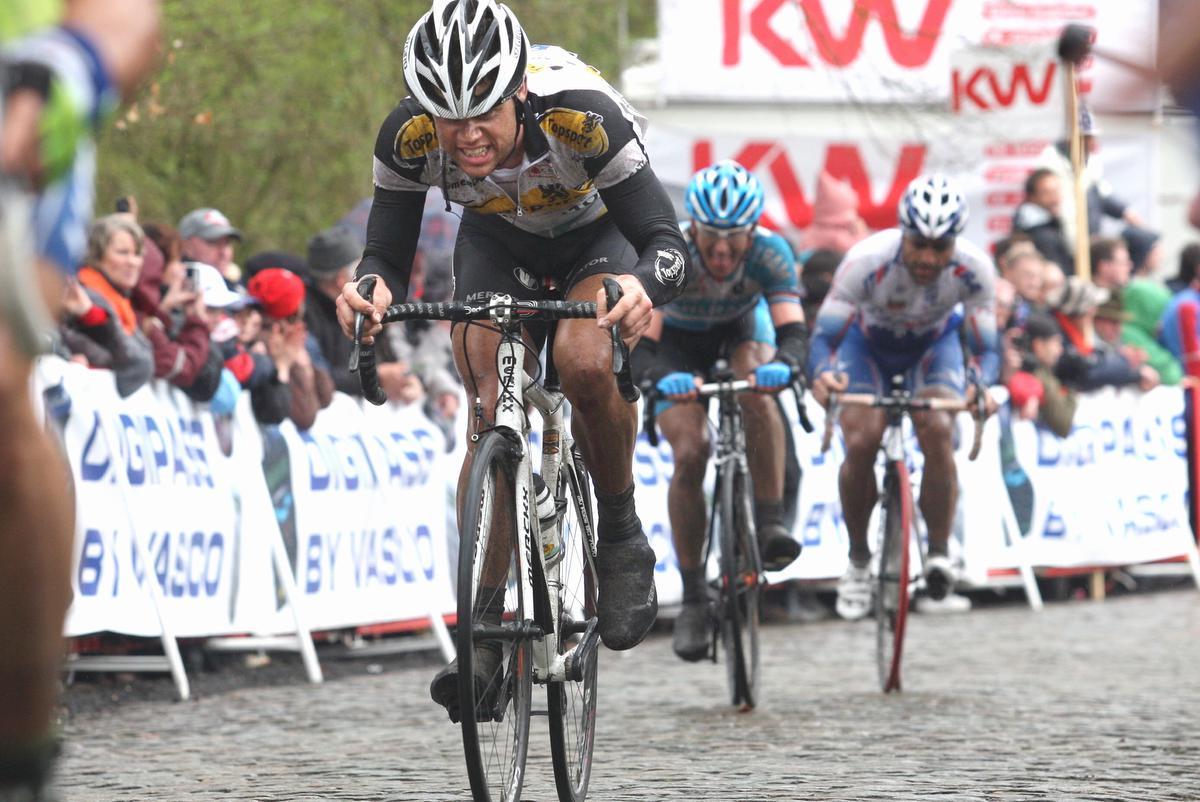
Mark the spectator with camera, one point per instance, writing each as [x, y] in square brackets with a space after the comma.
[209, 238]
[101, 327]
[171, 314]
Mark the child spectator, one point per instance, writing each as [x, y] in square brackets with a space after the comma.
[1035, 390]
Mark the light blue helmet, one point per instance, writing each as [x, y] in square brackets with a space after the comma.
[725, 195]
[933, 207]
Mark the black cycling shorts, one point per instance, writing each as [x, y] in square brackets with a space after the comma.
[696, 351]
[493, 256]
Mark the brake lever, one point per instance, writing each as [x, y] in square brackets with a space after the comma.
[366, 289]
[798, 388]
[649, 412]
[620, 352]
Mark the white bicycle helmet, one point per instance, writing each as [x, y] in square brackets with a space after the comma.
[933, 207]
[463, 57]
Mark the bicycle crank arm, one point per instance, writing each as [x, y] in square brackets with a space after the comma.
[585, 652]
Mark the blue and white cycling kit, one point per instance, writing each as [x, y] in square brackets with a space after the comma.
[713, 316]
[767, 275]
[877, 322]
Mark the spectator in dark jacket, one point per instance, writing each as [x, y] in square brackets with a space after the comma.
[1035, 390]
[332, 256]
[1111, 265]
[171, 315]
[101, 323]
[1038, 217]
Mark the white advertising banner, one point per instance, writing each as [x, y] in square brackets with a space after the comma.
[884, 51]
[369, 490]
[148, 466]
[990, 169]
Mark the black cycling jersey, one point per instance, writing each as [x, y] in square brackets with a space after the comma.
[583, 159]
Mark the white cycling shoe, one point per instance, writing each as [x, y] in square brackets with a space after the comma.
[854, 593]
[940, 576]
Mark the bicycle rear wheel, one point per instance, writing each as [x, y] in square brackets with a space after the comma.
[891, 592]
[572, 704]
[741, 576]
[492, 614]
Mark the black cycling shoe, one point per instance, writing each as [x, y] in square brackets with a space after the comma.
[627, 601]
[488, 676]
[693, 632]
[778, 548]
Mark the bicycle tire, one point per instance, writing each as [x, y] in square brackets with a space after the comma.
[495, 724]
[892, 578]
[571, 704]
[738, 607]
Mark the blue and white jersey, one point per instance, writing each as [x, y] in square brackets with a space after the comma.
[873, 291]
[768, 271]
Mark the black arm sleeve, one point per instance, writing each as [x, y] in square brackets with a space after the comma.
[644, 215]
[393, 228]
[792, 345]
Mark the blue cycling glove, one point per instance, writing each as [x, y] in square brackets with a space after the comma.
[772, 375]
[677, 383]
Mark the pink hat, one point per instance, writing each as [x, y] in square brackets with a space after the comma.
[835, 224]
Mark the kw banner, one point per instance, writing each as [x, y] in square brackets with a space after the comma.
[148, 467]
[884, 51]
[363, 507]
[990, 169]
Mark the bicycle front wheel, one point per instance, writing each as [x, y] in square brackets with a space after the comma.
[572, 704]
[741, 575]
[891, 592]
[493, 629]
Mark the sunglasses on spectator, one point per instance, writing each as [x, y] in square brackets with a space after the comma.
[941, 244]
[722, 233]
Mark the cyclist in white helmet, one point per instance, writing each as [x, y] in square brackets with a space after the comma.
[549, 164]
[897, 301]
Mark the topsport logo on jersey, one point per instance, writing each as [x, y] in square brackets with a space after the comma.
[416, 138]
[581, 131]
[668, 267]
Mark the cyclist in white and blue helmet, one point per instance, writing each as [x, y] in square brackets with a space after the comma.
[895, 308]
[742, 305]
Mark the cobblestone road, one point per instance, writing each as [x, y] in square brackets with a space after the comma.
[1080, 702]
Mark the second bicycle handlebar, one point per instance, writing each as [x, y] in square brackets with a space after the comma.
[709, 389]
[362, 357]
[905, 403]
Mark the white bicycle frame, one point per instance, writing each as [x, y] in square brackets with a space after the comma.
[515, 388]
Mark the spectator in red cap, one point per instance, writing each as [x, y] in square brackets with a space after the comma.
[280, 294]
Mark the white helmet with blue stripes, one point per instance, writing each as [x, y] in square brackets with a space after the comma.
[725, 195]
[933, 207]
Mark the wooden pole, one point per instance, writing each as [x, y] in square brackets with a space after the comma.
[1083, 264]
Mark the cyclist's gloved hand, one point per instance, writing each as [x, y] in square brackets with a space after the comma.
[772, 376]
[679, 383]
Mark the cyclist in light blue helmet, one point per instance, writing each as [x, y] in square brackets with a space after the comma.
[742, 305]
